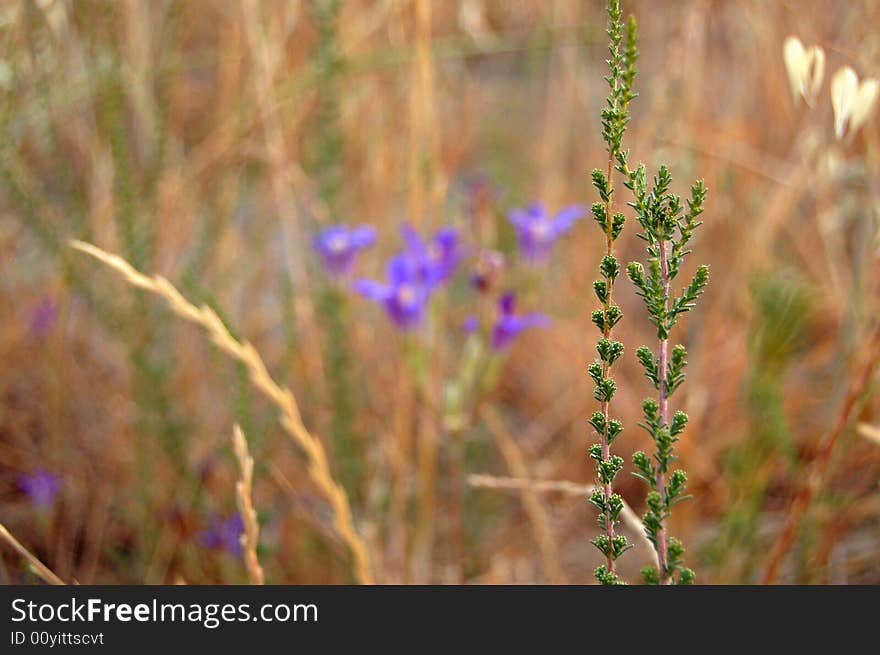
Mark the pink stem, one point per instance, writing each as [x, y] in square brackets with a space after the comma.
[662, 558]
[606, 455]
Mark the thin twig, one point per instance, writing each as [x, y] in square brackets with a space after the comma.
[629, 517]
[281, 397]
[534, 508]
[244, 499]
[36, 565]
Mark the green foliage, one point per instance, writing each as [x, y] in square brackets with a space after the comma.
[605, 577]
[675, 372]
[615, 117]
[667, 227]
[609, 268]
[605, 389]
[603, 186]
[622, 73]
[664, 223]
[609, 351]
[650, 364]
[606, 319]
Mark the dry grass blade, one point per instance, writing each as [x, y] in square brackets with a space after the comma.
[558, 486]
[535, 509]
[36, 565]
[281, 397]
[482, 481]
[244, 499]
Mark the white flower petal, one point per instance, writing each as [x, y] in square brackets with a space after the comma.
[795, 64]
[844, 86]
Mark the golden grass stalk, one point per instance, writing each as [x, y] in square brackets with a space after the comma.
[40, 569]
[244, 500]
[281, 397]
[535, 509]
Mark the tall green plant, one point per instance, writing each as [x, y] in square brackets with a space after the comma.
[667, 227]
[615, 116]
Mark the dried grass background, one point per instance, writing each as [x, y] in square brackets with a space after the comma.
[207, 141]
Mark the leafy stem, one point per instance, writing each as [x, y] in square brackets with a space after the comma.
[667, 229]
[621, 65]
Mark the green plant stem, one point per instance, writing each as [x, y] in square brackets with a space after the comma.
[605, 406]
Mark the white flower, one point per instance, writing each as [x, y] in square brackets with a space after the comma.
[805, 67]
[852, 102]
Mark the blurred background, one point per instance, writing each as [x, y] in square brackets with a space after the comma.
[211, 141]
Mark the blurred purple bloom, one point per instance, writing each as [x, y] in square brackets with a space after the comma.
[433, 262]
[413, 275]
[537, 231]
[508, 325]
[338, 246]
[43, 317]
[470, 324]
[41, 488]
[225, 535]
[404, 297]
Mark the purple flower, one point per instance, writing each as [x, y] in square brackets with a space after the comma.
[224, 535]
[41, 488]
[508, 325]
[404, 297]
[537, 231]
[413, 275]
[434, 262]
[338, 246]
[470, 324]
[43, 317]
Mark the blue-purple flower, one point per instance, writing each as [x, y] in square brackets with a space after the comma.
[413, 275]
[225, 534]
[43, 317]
[338, 246]
[41, 488]
[405, 295]
[509, 325]
[435, 261]
[537, 230]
